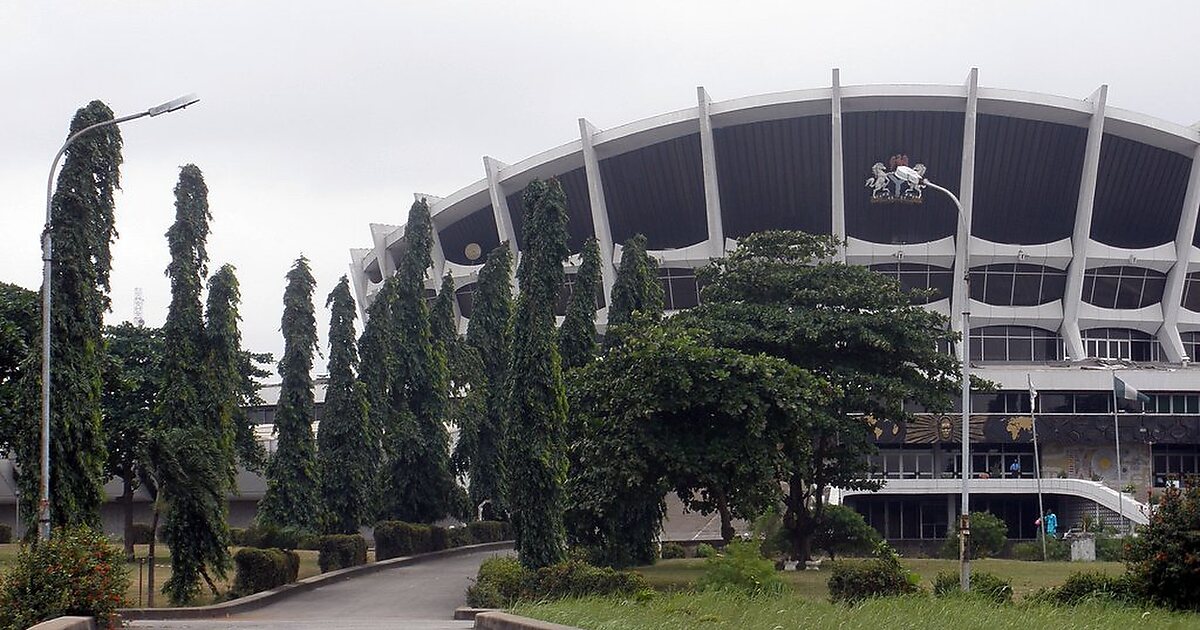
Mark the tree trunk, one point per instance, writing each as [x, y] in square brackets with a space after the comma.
[150, 558]
[797, 521]
[127, 500]
[727, 532]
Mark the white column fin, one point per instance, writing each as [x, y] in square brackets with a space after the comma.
[1073, 295]
[837, 174]
[599, 207]
[712, 192]
[1172, 301]
[960, 294]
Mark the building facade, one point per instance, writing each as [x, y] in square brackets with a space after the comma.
[1075, 252]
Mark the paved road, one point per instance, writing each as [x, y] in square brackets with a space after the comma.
[420, 596]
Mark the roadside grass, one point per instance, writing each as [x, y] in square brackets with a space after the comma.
[162, 572]
[676, 575]
[686, 610]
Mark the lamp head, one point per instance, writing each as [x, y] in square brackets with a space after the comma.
[170, 106]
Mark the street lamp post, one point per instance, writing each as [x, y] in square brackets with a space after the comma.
[914, 178]
[47, 268]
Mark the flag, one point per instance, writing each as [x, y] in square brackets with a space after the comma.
[1127, 392]
[1032, 389]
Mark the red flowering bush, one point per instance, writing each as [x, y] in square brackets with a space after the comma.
[76, 572]
[1164, 559]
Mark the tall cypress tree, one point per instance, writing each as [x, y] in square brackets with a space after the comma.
[291, 499]
[82, 227]
[377, 347]
[636, 289]
[480, 450]
[577, 336]
[536, 463]
[189, 465]
[223, 344]
[418, 485]
[345, 466]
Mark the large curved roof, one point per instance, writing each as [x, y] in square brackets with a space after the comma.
[1066, 183]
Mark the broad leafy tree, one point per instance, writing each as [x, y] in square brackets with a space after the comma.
[664, 411]
[636, 289]
[345, 466]
[132, 379]
[535, 456]
[418, 482]
[480, 450]
[82, 227]
[779, 294]
[577, 336]
[292, 499]
[189, 466]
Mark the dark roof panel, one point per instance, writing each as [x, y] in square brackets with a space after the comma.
[658, 191]
[775, 175]
[1026, 180]
[479, 227]
[579, 209]
[930, 138]
[1139, 193]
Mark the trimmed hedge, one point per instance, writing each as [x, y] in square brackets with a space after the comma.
[672, 551]
[5, 534]
[502, 581]
[263, 569]
[339, 551]
[459, 537]
[1056, 550]
[271, 537]
[490, 531]
[394, 539]
[439, 538]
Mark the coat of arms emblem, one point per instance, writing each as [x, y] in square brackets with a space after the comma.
[887, 187]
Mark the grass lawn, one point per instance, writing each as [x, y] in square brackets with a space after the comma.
[162, 572]
[1026, 576]
[681, 610]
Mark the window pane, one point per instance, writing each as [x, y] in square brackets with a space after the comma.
[995, 349]
[1092, 403]
[1056, 403]
[1105, 292]
[999, 289]
[1129, 292]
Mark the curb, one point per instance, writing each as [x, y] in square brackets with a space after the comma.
[66, 623]
[506, 621]
[258, 600]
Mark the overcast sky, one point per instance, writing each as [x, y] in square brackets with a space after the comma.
[317, 119]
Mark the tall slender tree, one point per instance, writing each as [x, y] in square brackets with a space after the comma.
[377, 347]
[291, 499]
[480, 450]
[345, 466]
[636, 289]
[418, 485]
[19, 328]
[82, 227]
[577, 336]
[189, 466]
[536, 463]
[223, 356]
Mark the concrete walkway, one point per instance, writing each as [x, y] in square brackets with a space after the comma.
[421, 597]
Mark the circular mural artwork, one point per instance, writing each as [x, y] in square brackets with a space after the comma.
[473, 251]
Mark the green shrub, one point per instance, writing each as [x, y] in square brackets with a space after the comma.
[502, 581]
[272, 537]
[983, 584]
[5, 534]
[459, 537]
[1056, 550]
[140, 533]
[237, 536]
[1162, 561]
[989, 534]
[339, 551]
[490, 531]
[439, 538]
[1087, 587]
[394, 539]
[309, 542]
[843, 531]
[705, 550]
[881, 576]
[76, 572]
[263, 569]
[671, 551]
[740, 568]
[1110, 549]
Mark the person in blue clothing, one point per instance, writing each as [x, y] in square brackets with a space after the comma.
[1050, 521]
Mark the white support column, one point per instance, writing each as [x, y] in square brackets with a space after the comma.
[504, 223]
[438, 254]
[379, 234]
[358, 279]
[960, 294]
[600, 226]
[1172, 301]
[712, 192]
[838, 198]
[1083, 227]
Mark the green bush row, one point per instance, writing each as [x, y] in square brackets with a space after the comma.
[671, 551]
[502, 581]
[983, 584]
[881, 576]
[1088, 587]
[271, 537]
[5, 534]
[394, 539]
[263, 569]
[339, 551]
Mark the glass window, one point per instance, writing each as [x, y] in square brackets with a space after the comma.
[1191, 295]
[1056, 403]
[680, 288]
[912, 276]
[1093, 403]
[1121, 343]
[1015, 343]
[1191, 341]
[1017, 284]
[466, 299]
[1123, 287]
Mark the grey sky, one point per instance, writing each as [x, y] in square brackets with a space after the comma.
[319, 118]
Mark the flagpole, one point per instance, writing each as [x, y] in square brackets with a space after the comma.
[1117, 437]
[1037, 465]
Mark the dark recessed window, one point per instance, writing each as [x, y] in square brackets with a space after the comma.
[568, 289]
[466, 299]
[1191, 344]
[1123, 287]
[1017, 284]
[913, 276]
[1021, 344]
[1191, 292]
[680, 287]
[1121, 343]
